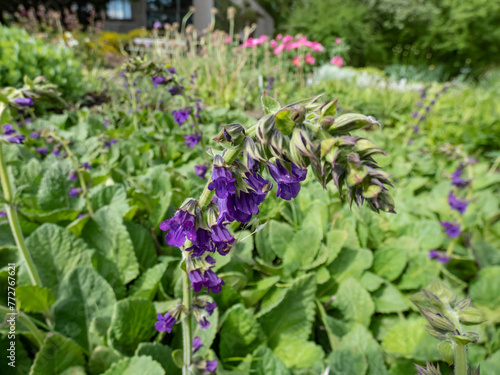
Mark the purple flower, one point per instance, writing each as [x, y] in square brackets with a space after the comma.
[458, 181]
[452, 230]
[414, 114]
[86, 165]
[109, 143]
[157, 25]
[213, 282]
[210, 308]
[422, 118]
[416, 129]
[191, 140]
[440, 256]
[8, 129]
[41, 150]
[197, 280]
[158, 81]
[165, 323]
[288, 183]
[35, 135]
[56, 151]
[433, 102]
[204, 323]
[259, 186]
[179, 227]
[419, 104]
[174, 90]
[457, 204]
[200, 170]
[73, 175]
[181, 116]
[75, 192]
[202, 243]
[16, 139]
[3, 213]
[24, 102]
[172, 70]
[221, 238]
[222, 182]
[196, 344]
[211, 366]
[106, 122]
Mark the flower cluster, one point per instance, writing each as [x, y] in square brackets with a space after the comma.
[10, 134]
[422, 110]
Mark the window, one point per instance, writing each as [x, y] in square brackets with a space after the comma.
[119, 10]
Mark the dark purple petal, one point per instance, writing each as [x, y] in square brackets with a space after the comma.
[222, 182]
[75, 192]
[192, 140]
[457, 204]
[210, 308]
[452, 230]
[24, 102]
[211, 366]
[8, 129]
[16, 139]
[200, 170]
[41, 150]
[196, 344]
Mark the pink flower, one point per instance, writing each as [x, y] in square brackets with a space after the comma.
[309, 59]
[261, 39]
[338, 40]
[317, 47]
[302, 41]
[227, 39]
[296, 61]
[337, 60]
[293, 45]
[287, 38]
[279, 49]
[279, 36]
[274, 43]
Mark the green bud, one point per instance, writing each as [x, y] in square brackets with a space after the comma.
[463, 304]
[351, 121]
[357, 171]
[327, 122]
[446, 350]
[470, 316]
[428, 370]
[233, 133]
[189, 205]
[329, 109]
[440, 290]
[439, 321]
[265, 127]
[438, 334]
[465, 338]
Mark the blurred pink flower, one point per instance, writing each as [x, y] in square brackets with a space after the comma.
[309, 59]
[338, 40]
[317, 47]
[279, 49]
[227, 40]
[302, 41]
[261, 39]
[287, 38]
[279, 36]
[337, 60]
[296, 61]
[273, 43]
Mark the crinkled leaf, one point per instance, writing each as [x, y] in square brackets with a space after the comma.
[136, 365]
[33, 298]
[355, 302]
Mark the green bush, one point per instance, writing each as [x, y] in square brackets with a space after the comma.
[21, 54]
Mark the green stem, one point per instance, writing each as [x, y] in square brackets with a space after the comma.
[187, 334]
[14, 222]
[197, 127]
[23, 318]
[460, 363]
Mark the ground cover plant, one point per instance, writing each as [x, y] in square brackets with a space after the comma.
[123, 207]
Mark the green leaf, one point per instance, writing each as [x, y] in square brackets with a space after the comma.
[31, 298]
[280, 235]
[54, 187]
[74, 370]
[161, 354]
[421, 272]
[269, 105]
[335, 239]
[485, 292]
[239, 333]
[371, 282]
[56, 251]
[84, 295]
[294, 315]
[101, 359]
[144, 247]
[136, 365]
[254, 295]
[359, 338]
[112, 195]
[299, 353]
[106, 232]
[389, 262]
[133, 322]
[403, 338]
[347, 361]
[283, 121]
[428, 233]
[147, 285]
[350, 263]
[271, 300]
[57, 354]
[265, 362]
[486, 254]
[355, 302]
[389, 300]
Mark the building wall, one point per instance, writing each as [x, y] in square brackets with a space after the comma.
[139, 9]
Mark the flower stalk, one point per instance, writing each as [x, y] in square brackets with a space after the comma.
[14, 222]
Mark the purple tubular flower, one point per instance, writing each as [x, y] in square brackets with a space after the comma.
[209, 259]
[16, 139]
[414, 114]
[24, 102]
[458, 181]
[158, 81]
[440, 256]
[179, 227]
[41, 150]
[56, 151]
[86, 165]
[204, 323]
[172, 70]
[3, 214]
[419, 104]
[174, 90]
[110, 143]
[252, 164]
[416, 129]
[35, 135]
[72, 175]
[8, 129]
[200, 170]
[202, 243]
[197, 280]
[75, 192]
[181, 116]
[213, 282]
[452, 230]
[422, 118]
[259, 185]
[433, 254]
[288, 184]
[211, 366]
[157, 25]
[196, 344]
[165, 323]
[210, 308]
[106, 122]
[191, 140]
[222, 182]
[221, 238]
[457, 204]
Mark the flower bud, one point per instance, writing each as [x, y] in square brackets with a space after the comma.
[327, 122]
[233, 133]
[438, 321]
[351, 121]
[265, 127]
[470, 316]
